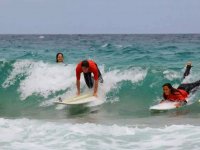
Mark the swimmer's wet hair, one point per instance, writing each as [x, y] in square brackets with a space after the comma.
[57, 56]
[85, 64]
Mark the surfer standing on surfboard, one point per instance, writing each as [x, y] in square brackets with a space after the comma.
[88, 67]
[181, 93]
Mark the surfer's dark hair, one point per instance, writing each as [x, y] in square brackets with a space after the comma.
[85, 64]
[57, 56]
[172, 89]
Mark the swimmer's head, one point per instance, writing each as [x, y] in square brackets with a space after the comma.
[59, 58]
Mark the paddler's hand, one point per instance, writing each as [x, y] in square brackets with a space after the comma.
[178, 105]
[162, 101]
[95, 94]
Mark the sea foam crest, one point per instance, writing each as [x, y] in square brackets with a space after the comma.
[39, 77]
[44, 79]
[22, 133]
[171, 75]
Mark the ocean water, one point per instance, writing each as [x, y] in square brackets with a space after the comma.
[134, 67]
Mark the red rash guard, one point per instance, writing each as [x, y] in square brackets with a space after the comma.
[177, 96]
[92, 68]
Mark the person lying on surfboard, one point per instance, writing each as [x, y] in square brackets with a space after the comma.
[59, 58]
[88, 67]
[181, 93]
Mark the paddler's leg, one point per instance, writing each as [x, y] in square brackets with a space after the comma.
[193, 86]
[88, 79]
[187, 69]
[190, 86]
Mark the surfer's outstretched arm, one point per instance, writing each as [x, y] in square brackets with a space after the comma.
[187, 69]
[78, 86]
[95, 87]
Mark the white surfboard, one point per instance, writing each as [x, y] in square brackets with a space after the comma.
[82, 99]
[166, 105]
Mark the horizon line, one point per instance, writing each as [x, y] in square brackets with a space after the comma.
[95, 33]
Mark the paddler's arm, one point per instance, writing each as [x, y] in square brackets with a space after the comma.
[95, 87]
[78, 86]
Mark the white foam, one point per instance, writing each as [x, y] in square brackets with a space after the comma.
[19, 70]
[24, 133]
[171, 75]
[105, 45]
[40, 78]
[41, 37]
[43, 79]
[113, 77]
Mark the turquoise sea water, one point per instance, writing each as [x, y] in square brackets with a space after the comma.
[134, 67]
